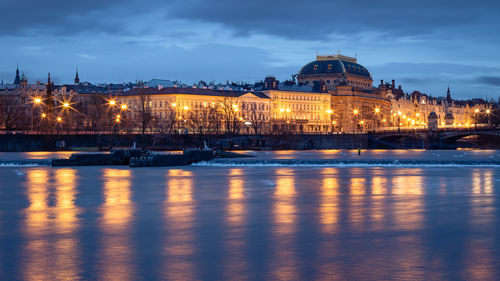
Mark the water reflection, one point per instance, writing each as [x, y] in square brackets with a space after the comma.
[284, 260]
[329, 208]
[235, 265]
[179, 221]
[481, 265]
[408, 211]
[117, 212]
[43, 219]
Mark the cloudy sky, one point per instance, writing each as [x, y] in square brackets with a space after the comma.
[424, 45]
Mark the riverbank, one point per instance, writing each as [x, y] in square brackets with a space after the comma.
[95, 142]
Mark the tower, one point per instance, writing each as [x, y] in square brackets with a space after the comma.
[23, 83]
[17, 79]
[77, 79]
[448, 96]
[49, 99]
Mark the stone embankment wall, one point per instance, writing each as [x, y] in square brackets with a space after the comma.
[20, 142]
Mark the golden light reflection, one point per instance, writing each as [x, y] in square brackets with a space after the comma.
[284, 226]
[481, 264]
[379, 187]
[117, 212]
[236, 207]
[408, 210]
[179, 221]
[235, 264]
[36, 225]
[357, 199]
[59, 221]
[66, 222]
[329, 201]
[408, 181]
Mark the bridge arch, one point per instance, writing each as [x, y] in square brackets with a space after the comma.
[399, 140]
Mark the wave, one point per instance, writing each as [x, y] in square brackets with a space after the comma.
[347, 163]
[25, 163]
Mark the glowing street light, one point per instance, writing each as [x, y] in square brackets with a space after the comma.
[377, 110]
[66, 105]
[329, 111]
[174, 104]
[118, 116]
[124, 106]
[112, 102]
[44, 115]
[282, 110]
[288, 110]
[59, 119]
[37, 100]
[355, 111]
[476, 110]
[186, 107]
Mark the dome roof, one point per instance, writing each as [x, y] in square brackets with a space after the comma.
[432, 115]
[334, 66]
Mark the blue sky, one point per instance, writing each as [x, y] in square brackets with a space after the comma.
[423, 45]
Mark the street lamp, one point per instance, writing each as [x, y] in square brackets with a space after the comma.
[476, 112]
[124, 106]
[355, 112]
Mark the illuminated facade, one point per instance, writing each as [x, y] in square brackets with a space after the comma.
[333, 94]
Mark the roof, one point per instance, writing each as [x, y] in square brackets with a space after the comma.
[334, 66]
[190, 91]
[86, 89]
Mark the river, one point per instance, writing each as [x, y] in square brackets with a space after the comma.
[254, 221]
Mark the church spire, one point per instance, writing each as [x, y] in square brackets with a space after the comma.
[448, 95]
[77, 79]
[17, 79]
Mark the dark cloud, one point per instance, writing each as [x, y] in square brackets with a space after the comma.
[62, 17]
[489, 80]
[313, 19]
[316, 19]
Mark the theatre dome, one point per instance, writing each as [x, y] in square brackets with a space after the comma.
[334, 65]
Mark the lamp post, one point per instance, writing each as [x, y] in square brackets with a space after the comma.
[476, 112]
[355, 112]
[488, 114]
[399, 121]
[329, 112]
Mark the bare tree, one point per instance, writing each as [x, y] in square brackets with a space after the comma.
[257, 117]
[166, 124]
[11, 113]
[230, 115]
[214, 125]
[145, 116]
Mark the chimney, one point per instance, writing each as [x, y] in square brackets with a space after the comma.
[393, 84]
[381, 83]
[270, 83]
[399, 87]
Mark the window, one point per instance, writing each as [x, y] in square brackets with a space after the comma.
[315, 67]
[329, 67]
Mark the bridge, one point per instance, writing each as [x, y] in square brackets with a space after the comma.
[444, 138]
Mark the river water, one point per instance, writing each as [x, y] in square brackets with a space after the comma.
[253, 222]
